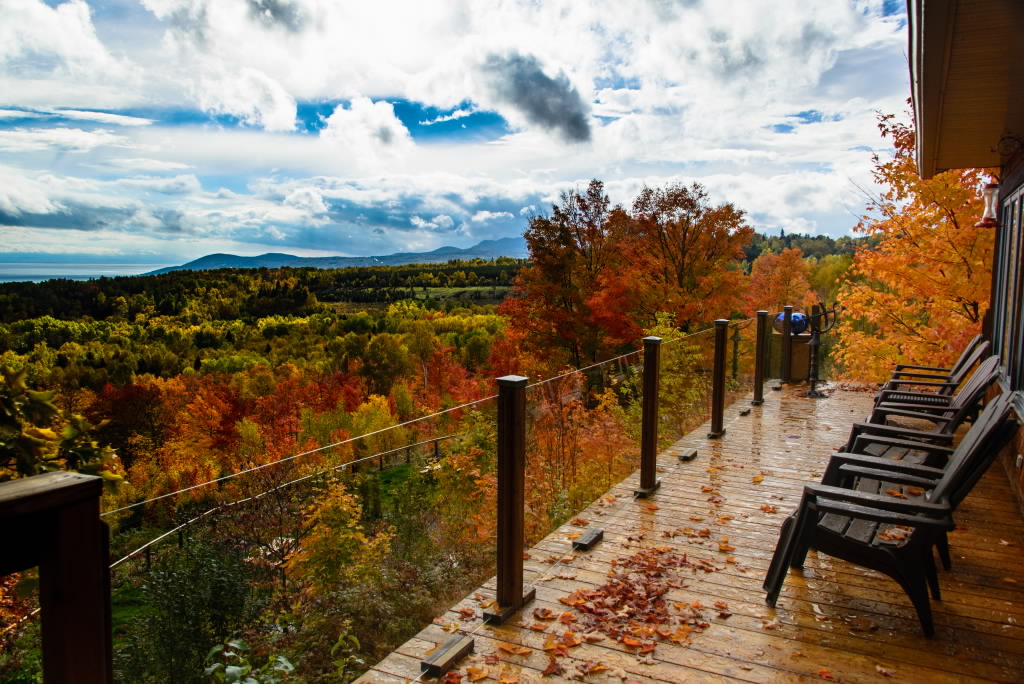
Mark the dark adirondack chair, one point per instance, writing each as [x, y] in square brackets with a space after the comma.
[880, 531]
[942, 389]
[944, 380]
[867, 437]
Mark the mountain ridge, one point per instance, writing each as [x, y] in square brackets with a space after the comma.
[514, 247]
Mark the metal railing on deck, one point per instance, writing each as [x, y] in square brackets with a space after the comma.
[629, 407]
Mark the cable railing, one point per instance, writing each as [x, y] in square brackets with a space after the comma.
[581, 432]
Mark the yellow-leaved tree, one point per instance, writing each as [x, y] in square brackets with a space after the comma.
[918, 291]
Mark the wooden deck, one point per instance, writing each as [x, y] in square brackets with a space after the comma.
[834, 621]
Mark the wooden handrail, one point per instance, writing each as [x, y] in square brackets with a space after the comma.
[53, 522]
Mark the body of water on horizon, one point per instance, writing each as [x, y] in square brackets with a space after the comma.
[11, 272]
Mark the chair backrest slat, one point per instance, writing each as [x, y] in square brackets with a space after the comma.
[967, 397]
[967, 360]
[975, 452]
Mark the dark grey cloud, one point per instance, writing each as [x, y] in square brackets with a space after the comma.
[89, 218]
[552, 103]
[192, 23]
[278, 13]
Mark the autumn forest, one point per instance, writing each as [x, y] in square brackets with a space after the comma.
[314, 449]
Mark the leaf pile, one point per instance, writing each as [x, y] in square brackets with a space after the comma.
[632, 606]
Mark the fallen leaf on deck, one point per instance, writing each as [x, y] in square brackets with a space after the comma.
[574, 535]
[652, 507]
[774, 624]
[884, 672]
[544, 614]
[467, 613]
[553, 668]
[825, 673]
[897, 493]
[631, 642]
[551, 643]
[757, 479]
[438, 621]
[696, 518]
[580, 522]
[567, 618]
[797, 654]
[707, 489]
[507, 678]
[1010, 580]
[768, 508]
[915, 491]
[526, 556]
[725, 546]
[452, 678]
[492, 659]
[477, 673]
[730, 559]
[537, 627]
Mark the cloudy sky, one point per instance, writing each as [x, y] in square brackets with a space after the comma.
[158, 131]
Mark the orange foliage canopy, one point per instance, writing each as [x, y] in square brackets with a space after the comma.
[920, 293]
[780, 279]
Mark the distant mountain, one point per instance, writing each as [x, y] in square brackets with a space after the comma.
[488, 249]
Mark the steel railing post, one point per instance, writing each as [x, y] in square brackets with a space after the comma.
[759, 357]
[511, 499]
[718, 380]
[649, 420]
[787, 343]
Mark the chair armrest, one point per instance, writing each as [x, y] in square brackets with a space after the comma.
[876, 501]
[923, 521]
[889, 410]
[911, 444]
[924, 481]
[934, 369]
[904, 374]
[924, 383]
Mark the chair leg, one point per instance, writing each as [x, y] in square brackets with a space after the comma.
[918, 593]
[780, 560]
[942, 544]
[932, 575]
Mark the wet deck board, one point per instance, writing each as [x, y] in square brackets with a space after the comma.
[834, 621]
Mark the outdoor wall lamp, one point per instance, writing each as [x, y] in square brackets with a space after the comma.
[990, 195]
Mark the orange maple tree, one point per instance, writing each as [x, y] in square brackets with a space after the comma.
[919, 293]
[780, 279]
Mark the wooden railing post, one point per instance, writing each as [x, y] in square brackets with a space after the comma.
[649, 420]
[787, 343]
[53, 522]
[718, 380]
[511, 498]
[759, 357]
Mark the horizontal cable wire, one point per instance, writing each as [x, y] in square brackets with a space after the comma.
[275, 488]
[295, 456]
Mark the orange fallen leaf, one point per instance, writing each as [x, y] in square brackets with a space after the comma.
[825, 673]
[721, 605]
[897, 493]
[537, 627]
[551, 643]
[756, 479]
[544, 614]
[631, 642]
[1010, 580]
[574, 535]
[915, 491]
[508, 678]
[725, 546]
[768, 508]
[652, 507]
[730, 559]
[696, 518]
[452, 678]
[553, 668]
[526, 556]
[571, 639]
[579, 522]
[477, 673]
[467, 613]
